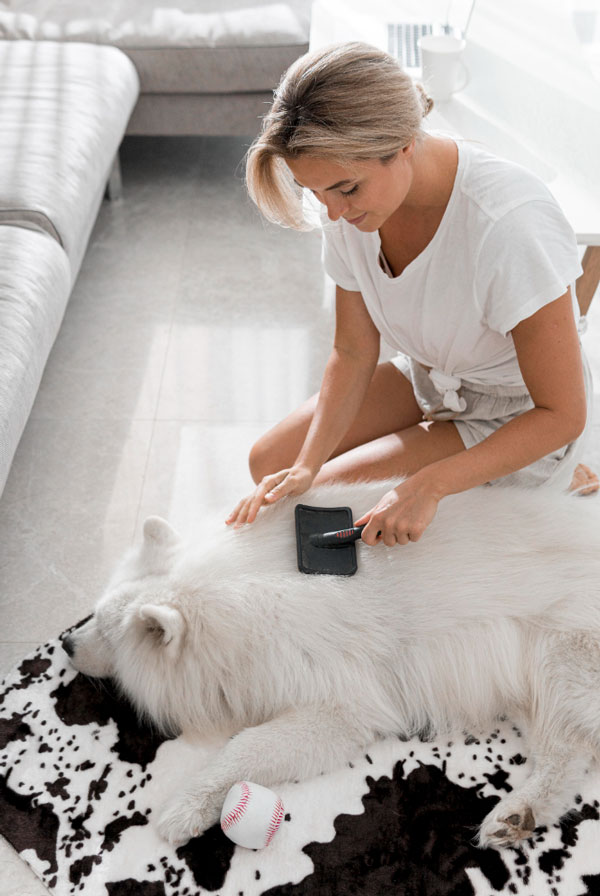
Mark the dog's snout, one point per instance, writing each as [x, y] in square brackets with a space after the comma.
[68, 646]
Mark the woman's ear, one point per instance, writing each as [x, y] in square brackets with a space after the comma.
[409, 149]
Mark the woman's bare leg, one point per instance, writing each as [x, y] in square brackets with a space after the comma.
[387, 437]
[389, 405]
[397, 454]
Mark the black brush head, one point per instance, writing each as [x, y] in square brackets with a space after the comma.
[324, 561]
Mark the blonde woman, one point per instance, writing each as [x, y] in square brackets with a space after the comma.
[461, 261]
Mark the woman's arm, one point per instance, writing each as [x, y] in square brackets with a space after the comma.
[549, 355]
[547, 346]
[349, 371]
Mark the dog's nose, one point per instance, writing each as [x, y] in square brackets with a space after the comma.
[68, 646]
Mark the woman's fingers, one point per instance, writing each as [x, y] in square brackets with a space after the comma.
[287, 486]
[264, 488]
[235, 512]
[371, 534]
[402, 515]
[239, 515]
[292, 481]
[247, 509]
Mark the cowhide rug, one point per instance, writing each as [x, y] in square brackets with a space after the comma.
[80, 781]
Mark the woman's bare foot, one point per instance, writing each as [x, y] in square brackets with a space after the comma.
[584, 481]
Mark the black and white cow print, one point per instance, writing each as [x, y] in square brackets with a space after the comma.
[80, 782]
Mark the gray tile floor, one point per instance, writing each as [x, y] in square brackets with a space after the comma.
[193, 326]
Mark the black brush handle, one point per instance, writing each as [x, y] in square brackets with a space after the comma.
[336, 539]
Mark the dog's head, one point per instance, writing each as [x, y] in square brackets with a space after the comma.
[167, 626]
[136, 615]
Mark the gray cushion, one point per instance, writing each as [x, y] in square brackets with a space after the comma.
[176, 114]
[213, 69]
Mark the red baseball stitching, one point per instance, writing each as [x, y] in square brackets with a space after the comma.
[275, 821]
[238, 811]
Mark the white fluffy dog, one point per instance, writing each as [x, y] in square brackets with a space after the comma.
[496, 610]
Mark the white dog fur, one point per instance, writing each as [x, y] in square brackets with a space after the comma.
[496, 610]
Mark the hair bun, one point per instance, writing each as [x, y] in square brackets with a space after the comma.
[426, 101]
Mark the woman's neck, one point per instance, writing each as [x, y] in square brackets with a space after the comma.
[434, 164]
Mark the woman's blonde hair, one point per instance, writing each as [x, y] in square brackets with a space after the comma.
[345, 103]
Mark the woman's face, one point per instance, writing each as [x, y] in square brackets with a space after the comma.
[364, 193]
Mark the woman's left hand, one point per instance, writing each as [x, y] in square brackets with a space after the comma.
[402, 515]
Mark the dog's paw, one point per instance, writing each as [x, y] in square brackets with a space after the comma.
[188, 815]
[507, 826]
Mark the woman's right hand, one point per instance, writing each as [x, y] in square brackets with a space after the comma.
[293, 481]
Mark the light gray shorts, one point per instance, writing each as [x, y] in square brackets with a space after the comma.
[490, 407]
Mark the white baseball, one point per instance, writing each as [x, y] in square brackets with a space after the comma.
[251, 815]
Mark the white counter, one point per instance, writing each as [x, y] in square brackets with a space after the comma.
[531, 97]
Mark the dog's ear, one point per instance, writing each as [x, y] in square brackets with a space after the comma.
[159, 546]
[158, 531]
[165, 624]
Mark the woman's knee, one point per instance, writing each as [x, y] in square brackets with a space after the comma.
[278, 448]
[261, 458]
[271, 453]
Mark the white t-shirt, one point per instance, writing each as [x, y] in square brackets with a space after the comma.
[502, 251]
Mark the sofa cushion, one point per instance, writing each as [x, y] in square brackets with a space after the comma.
[215, 70]
[63, 112]
[35, 281]
[244, 48]
[142, 23]
[235, 114]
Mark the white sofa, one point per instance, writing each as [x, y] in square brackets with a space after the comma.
[64, 109]
[205, 66]
[75, 77]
